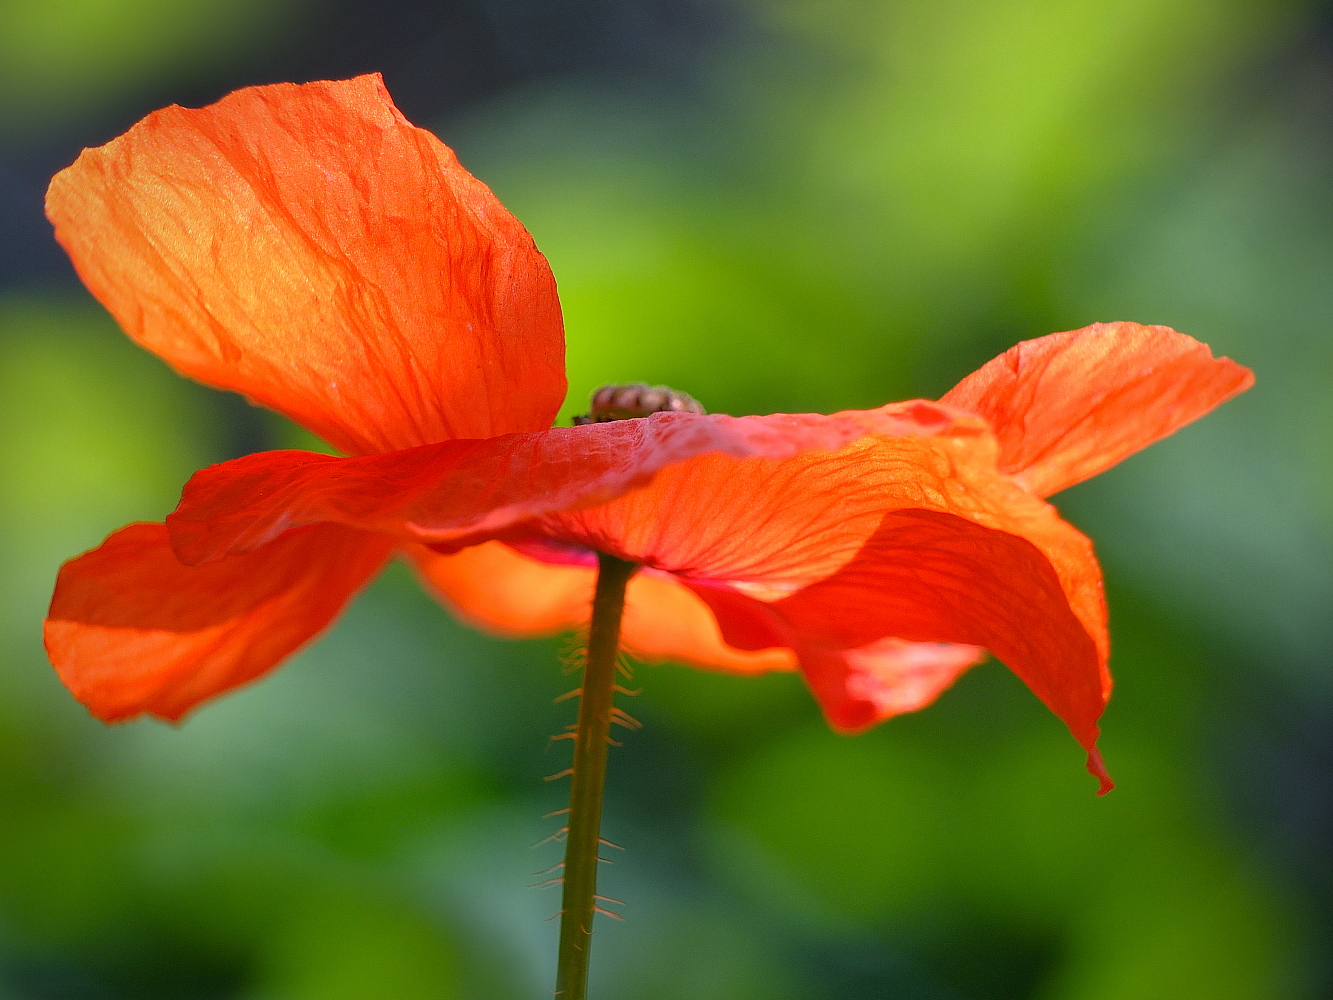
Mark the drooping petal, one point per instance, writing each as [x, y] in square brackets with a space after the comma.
[132, 630]
[927, 576]
[462, 492]
[501, 591]
[1068, 406]
[310, 248]
[856, 687]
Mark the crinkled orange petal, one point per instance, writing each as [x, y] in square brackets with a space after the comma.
[462, 492]
[1068, 406]
[132, 630]
[308, 247]
[507, 593]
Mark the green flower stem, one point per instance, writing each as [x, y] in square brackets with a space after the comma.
[589, 779]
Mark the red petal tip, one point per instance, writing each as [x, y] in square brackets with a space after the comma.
[1097, 768]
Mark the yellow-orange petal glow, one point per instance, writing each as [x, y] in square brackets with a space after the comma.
[310, 248]
[131, 630]
[665, 620]
[504, 592]
[1070, 405]
[498, 590]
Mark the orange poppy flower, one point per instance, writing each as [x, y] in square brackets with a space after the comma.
[308, 247]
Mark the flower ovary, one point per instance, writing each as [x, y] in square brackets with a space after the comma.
[637, 399]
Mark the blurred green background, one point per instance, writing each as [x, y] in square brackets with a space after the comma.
[775, 205]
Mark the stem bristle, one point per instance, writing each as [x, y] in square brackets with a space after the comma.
[559, 837]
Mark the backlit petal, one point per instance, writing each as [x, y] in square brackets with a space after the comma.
[666, 620]
[1068, 406]
[462, 492]
[925, 576]
[769, 527]
[858, 686]
[506, 593]
[310, 248]
[898, 676]
[132, 630]
[495, 589]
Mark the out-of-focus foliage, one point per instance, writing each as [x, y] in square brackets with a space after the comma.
[823, 205]
[61, 58]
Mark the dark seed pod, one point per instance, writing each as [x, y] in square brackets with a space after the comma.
[637, 399]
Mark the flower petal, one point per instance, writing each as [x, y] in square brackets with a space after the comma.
[666, 621]
[497, 590]
[310, 248]
[131, 630]
[768, 527]
[1068, 406]
[506, 593]
[856, 687]
[926, 576]
[897, 676]
[459, 493]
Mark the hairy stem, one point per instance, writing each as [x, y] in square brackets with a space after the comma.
[585, 797]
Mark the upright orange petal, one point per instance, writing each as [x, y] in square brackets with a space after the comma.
[131, 630]
[310, 248]
[1068, 406]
